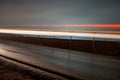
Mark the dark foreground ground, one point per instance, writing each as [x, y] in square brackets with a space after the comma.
[10, 70]
[10, 74]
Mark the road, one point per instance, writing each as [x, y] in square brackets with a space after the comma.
[82, 65]
[57, 33]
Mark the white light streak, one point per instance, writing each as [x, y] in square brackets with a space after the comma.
[50, 33]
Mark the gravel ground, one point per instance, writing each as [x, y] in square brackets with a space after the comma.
[11, 70]
[9, 74]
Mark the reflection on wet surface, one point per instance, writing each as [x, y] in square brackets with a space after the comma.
[91, 65]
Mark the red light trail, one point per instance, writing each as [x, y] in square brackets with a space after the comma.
[72, 25]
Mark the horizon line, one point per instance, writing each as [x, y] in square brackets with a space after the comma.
[70, 25]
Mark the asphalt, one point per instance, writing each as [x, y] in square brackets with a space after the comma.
[12, 70]
[77, 64]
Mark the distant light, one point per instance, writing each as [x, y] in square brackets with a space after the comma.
[50, 33]
[73, 25]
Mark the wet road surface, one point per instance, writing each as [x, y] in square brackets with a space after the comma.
[74, 63]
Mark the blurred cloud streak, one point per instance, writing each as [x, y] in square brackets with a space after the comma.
[20, 12]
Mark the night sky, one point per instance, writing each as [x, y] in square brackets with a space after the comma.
[22, 12]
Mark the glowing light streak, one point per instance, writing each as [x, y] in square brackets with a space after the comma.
[73, 25]
[49, 33]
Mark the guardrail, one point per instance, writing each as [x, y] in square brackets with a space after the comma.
[99, 43]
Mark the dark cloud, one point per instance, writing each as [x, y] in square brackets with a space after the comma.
[59, 11]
